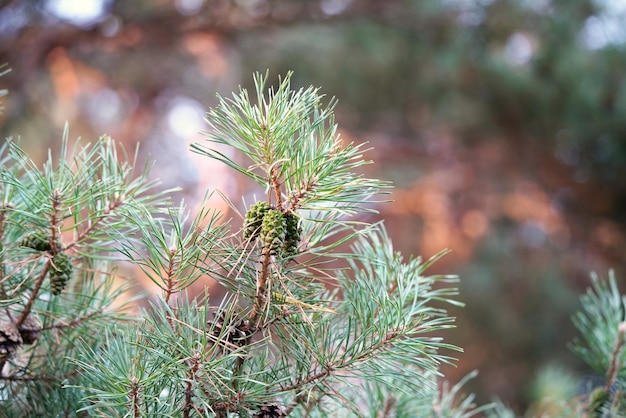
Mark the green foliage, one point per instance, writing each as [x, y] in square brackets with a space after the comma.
[305, 329]
[281, 342]
[603, 310]
[58, 287]
[602, 327]
[322, 315]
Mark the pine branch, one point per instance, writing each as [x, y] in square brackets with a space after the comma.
[135, 400]
[72, 323]
[33, 295]
[614, 363]
[194, 364]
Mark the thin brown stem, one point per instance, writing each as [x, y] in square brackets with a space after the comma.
[33, 295]
[614, 365]
[326, 371]
[32, 378]
[294, 201]
[259, 306]
[275, 181]
[3, 208]
[317, 376]
[54, 220]
[191, 377]
[170, 281]
[389, 405]
[261, 289]
[54, 223]
[73, 322]
[299, 399]
[135, 398]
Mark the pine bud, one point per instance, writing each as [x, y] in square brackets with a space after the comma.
[254, 219]
[37, 240]
[61, 270]
[273, 230]
[292, 234]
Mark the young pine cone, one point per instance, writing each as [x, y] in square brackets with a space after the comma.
[254, 219]
[37, 240]
[292, 234]
[273, 231]
[60, 272]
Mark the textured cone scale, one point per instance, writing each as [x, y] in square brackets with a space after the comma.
[37, 240]
[10, 339]
[60, 272]
[292, 234]
[273, 230]
[29, 330]
[254, 219]
[237, 332]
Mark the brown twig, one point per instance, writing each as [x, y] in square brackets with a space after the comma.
[33, 295]
[135, 398]
[54, 223]
[170, 281]
[614, 365]
[329, 369]
[45, 378]
[317, 376]
[73, 322]
[191, 377]
[276, 184]
[261, 289]
[297, 197]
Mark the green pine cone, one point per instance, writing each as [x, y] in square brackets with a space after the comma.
[273, 229]
[60, 272]
[292, 234]
[254, 219]
[37, 240]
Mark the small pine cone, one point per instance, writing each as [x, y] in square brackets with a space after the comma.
[292, 234]
[237, 333]
[270, 411]
[37, 240]
[273, 230]
[60, 272]
[254, 219]
[10, 339]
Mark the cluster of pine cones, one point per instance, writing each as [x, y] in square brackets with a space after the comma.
[279, 231]
[61, 263]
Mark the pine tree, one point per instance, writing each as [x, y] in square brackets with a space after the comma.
[322, 316]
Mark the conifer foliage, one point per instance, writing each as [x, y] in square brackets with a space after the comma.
[322, 317]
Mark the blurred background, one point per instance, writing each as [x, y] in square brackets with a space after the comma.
[501, 123]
